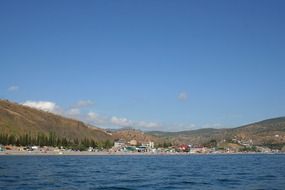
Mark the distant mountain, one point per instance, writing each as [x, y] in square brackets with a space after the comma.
[196, 137]
[18, 120]
[130, 133]
[267, 132]
[111, 130]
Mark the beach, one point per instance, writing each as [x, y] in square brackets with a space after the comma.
[78, 153]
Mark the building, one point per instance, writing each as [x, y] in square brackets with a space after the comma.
[184, 148]
[131, 149]
[1, 148]
[133, 142]
[120, 143]
[35, 147]
[149, 145]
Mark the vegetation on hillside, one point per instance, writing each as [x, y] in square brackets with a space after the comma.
[268, 133]
[53, 141]
[19, 120]
[22, 125]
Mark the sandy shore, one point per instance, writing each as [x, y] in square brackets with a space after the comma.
[102, 153]
[78, 153]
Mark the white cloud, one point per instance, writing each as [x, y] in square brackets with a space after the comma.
[92, 115]
[97, 119]
[83, 103]
[124, 122]
[212, 125]
[73, 112]
[76, 109]
[182, 96]
[105, 121]
[43, 105]
[144, 124]
[13, 88]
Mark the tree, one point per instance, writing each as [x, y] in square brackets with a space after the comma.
[107, 144]
[12, 140]
[211, 144]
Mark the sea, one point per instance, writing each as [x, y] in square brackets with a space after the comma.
[244, 171]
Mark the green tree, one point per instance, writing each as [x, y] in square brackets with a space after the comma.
[12, 140]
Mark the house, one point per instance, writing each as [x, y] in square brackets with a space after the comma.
[142, 148]
[1, 148]
[120, 143]
[131, 149]
[35, 148]
[149, 145]
[90, 149]
[8, 147]
[184, 148]
[133, 142]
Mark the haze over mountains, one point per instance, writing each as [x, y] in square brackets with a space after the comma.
[17, 119]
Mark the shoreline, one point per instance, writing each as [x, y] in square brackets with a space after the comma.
[86, 153]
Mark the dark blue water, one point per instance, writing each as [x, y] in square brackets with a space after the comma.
[143, 172]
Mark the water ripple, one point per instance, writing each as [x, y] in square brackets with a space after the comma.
[143, 172]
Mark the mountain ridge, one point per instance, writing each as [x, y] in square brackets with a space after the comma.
[18, 119]
[262, 132]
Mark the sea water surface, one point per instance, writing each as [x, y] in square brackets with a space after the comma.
[143, 172]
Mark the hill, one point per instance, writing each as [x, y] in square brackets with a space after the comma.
[19, 120]
[196, 137]
[129, 133]
[267, 132]
[271, 131]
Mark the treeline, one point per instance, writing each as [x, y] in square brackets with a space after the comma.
[52, 140]
[274, 146]
[163, 145]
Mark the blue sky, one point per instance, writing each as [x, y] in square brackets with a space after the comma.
[167, 65]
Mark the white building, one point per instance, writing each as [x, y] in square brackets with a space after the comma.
[120, 143]
[150, 144]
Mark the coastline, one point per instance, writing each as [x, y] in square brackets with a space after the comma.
[105, 153]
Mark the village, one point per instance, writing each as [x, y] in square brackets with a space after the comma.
[149, 147]
[123, 147]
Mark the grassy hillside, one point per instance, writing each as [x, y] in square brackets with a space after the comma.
[271, 131]
[19, 120]
[266, 132]
[196, 137]
[140, 136]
